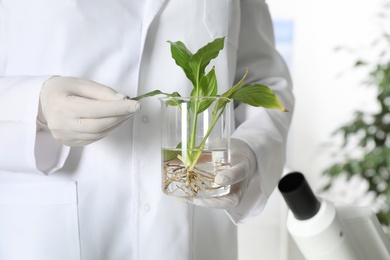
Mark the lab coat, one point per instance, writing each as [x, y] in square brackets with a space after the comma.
[104, 201]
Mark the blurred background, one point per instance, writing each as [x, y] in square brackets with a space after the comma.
[337, 58]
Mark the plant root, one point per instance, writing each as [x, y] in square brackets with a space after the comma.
[178, 178]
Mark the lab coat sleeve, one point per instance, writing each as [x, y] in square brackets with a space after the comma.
[24, 147]
[265, 130]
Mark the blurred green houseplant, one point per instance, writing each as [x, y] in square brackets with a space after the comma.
[368, 133]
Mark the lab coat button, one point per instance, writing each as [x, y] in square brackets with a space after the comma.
[145, 119]
[147, 207]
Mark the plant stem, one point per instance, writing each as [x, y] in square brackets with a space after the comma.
[195, 158]
[192, 140]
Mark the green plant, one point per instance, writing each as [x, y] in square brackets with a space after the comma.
[369, 132]
[205, 85]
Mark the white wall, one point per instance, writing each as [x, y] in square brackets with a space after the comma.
[324, 101]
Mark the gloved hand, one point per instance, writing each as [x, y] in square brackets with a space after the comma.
[79, 112]
[243, 167]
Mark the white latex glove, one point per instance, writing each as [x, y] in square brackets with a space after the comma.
[79, 112]
[243, 167]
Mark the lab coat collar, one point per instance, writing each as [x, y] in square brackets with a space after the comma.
[152, 7]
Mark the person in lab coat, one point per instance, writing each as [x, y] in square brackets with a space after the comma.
[80, 163]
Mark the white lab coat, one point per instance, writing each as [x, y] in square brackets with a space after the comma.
[104, 201]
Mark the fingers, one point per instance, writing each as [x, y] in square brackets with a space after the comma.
[228, 201]
[90, 134]
[243, 164]
[83, 88]
[238, 176]
[88, 125]
[234, 174]
[89, 108]
[79, 111]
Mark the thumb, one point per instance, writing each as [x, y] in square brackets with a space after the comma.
[89, 108]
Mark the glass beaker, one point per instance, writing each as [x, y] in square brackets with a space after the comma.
[195, 145]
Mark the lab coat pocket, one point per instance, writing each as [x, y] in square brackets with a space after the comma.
[39, 221]
[222, 19]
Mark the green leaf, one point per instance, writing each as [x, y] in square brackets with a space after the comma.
[182, 57]
[203, 56]
[204, 104]
[154, 93]
[230, 92]
[360, 63]
[259, 96]
[174, 101]
[208, 88]
[169, 154]
[194, 65]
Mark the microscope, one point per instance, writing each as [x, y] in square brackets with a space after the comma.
[323, 230]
